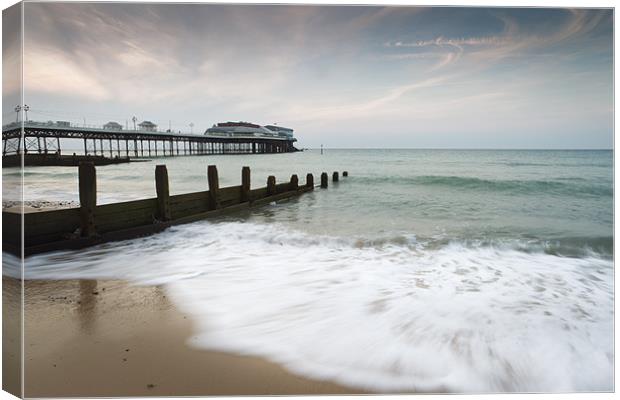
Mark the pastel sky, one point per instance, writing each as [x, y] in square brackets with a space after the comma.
[343, 76]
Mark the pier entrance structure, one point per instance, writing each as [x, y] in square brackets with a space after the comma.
[44, 138]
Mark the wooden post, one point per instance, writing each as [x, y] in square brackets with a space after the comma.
[294, 185]
[163, 193]
[87, 185]
[245, 184]
[310, 181]
[335, 176]
[271, 185]
[214, 187]
[324, 180]
[345, 173]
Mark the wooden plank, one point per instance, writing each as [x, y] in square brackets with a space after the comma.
[106, 210]
[181, 198]
[179, 211]
[256, 194]
[230, 193]
[11, 228]
[163, 193]
[43, 222]
[324, 180]
[282, 187]
[214, 186]
[245, 184]
[294, 184]
[271, 185]
[310, 181]
[88, 197]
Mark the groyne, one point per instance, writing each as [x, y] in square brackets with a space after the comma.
[91, 224]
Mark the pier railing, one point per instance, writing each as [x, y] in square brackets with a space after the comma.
[92, 224]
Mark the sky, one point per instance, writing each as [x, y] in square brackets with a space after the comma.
[342, 76]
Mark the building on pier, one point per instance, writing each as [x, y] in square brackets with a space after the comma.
[147, 126]
[113, 126]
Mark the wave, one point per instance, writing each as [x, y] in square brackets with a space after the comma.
[398, 315]
[560, 186]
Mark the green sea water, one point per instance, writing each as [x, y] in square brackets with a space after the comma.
[561, 200]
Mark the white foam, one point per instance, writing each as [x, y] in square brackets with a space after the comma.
[389, 318]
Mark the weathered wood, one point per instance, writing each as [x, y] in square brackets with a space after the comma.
[229, 196]
[294, 184]
[214, 187]
[163, 193]
[324, 180]
[113, 209]
[57, 229]
[245, 184]
[11, 227]
[271, 185]
[335, 176]
[88, 198]
[259, 193]
[310, 181]
[190, 197]
[345, 173]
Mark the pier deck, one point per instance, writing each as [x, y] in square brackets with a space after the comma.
[42, 138]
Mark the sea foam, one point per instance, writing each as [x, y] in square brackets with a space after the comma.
[397, 317]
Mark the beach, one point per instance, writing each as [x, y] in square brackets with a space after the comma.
[422, 271]
[108, 338]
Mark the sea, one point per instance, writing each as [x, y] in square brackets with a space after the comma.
[463, 271]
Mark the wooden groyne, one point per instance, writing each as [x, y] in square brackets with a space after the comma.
[91, 224]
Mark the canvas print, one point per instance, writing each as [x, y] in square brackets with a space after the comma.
[205, 199]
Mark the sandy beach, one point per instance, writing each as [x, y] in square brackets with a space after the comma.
[107, 338]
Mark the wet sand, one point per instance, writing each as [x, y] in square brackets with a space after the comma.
[107, 338]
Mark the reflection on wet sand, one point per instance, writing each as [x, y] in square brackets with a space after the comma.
[87, 302]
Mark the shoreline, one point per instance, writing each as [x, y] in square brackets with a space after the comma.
[90, 338]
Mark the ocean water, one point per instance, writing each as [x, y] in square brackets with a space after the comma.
[466, 271]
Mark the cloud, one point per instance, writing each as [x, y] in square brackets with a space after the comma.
[47, 71]
[509, 42]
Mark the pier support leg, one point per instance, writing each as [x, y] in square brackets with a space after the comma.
[214, 187]
[245, 184]
[85, 147]
[163, 193]
[310, 181]
[335, 176]
[271, 185]
[324, 180]
[88, 198]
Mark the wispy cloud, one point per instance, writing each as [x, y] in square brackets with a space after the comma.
[309, 65]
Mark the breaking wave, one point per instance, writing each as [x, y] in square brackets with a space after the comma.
[395, 315]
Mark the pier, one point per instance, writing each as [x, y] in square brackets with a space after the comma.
[91, 224]
[44, 138]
